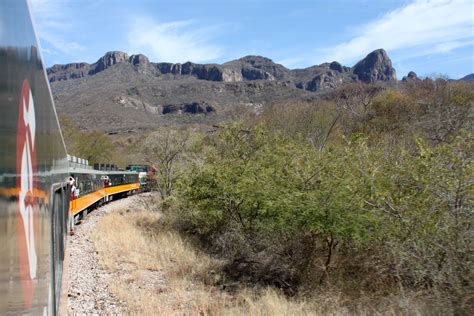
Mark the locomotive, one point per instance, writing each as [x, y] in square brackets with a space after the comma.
[146, 175]
[35, 192]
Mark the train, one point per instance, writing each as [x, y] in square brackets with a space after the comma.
[94, 186]
[146, 176]
[38, 205]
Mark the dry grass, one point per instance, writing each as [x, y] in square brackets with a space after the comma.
[156, 272]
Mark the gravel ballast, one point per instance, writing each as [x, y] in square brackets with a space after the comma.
[87, 287]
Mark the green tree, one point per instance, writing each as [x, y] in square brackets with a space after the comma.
[165, 150]
[269, 189]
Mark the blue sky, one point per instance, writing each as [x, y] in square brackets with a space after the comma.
[429, 37]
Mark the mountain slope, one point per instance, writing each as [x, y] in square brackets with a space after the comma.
[121, 92]
[469, 77]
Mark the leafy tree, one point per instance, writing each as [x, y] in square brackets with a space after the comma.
[262, 184]
[387, 205]
[448, 109]
[354, 102]
[164, 149]
[315, 122]
[393, 112]
[261, 196]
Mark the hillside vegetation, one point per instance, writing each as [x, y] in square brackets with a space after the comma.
[366, 194]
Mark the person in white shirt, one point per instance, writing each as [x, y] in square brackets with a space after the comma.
[72, 184]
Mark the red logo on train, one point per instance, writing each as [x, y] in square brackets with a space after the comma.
[27, 183]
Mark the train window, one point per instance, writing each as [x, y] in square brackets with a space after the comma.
[80, 189]
[87, 187]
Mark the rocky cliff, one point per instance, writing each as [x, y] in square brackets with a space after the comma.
[123, 92]
[377, 66]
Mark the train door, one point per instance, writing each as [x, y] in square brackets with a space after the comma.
[59, 218]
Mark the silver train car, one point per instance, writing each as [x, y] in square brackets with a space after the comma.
[34, 195]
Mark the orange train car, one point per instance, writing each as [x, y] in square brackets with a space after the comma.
[95, 187]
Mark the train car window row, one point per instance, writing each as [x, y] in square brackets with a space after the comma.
[88, 183]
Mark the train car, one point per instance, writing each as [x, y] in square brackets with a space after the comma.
[122, 182]
[145, 176]
[95, 187]
[34, 194]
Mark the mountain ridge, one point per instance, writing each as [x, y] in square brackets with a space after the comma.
[469, 77]
[377, 66]
[122, 92]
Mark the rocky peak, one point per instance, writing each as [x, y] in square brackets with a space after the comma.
[109, 59]
[114, 57]
[261, 68]
[336, 66]
[411, 77]
[139, 59]
[255, 60]
[374, 67]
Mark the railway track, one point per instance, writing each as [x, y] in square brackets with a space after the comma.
[86, 283]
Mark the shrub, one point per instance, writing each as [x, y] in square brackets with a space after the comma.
[287, 214]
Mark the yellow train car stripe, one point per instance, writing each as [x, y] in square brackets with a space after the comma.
[78, 205]
[81, 203]
[122, 188]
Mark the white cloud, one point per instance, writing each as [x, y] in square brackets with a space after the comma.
[68, 47]
[177, 41]
[51, 17]
[430, 26]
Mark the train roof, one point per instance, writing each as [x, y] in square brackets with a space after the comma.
[121, 172]
[99, 172]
